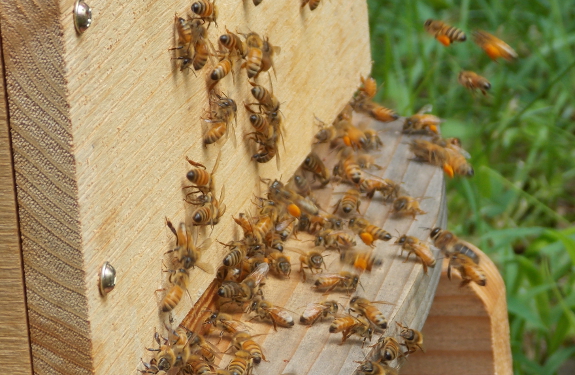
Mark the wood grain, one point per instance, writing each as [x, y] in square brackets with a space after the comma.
[14, 339]
[467, 330]
[302, 350]
[101, 124]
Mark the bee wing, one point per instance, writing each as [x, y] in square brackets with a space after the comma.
[260, 272]
[277, 50]
[207, 268]
[206, 244]
[280, 313]
[313, 308]
[425, 109]
[383, 302]
[332, 275]
[183, 235]
[284, 224]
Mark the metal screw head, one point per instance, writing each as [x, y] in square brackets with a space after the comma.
[82, 16]
[107, 278]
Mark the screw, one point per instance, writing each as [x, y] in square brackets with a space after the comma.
[82, 16]
[107, 279]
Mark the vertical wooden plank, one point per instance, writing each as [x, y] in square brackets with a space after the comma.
[14, 339]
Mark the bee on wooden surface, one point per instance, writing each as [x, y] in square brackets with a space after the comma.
[405, 205]
[444, 33]
[314, 311]
[313, 4]
[179, 280]
[278, 315]
[225, 323]
[199, 345]
[361, 261]
[419, 249]
[388, 349]
[232, 43]
[325, 222]
[241, 364]
[259, 121]
[468, 269]
[313, 164]
[388, 188]
[429, 152]
[325, 133]
[368, 232]
[366, 161]
[210, 213]
[349, 325]
[366, 308]
[268, 53]
[254, 56]
[344, 280]
[449, 243]
[201, 55]
[184, 30]
[493, 46]
[373, 140]
[413, 339]
[265, 98]
[349, 202]
[376, 111]
[374, 368]
[165, 359]
[354, 137]
[422, 122]
[192, 43]
[188, 253]
[349, 170]
[312, 260]
[268, 148]
[238, 251]
[287, 227]
[301, 184]
[222, 69]
[203, 180]
[198, 365]
[207, 11]
[220, 118]
[473, 81]
[334, 240]
[280, 263]
[244, 341]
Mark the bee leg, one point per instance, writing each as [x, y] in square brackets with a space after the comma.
[464, 282]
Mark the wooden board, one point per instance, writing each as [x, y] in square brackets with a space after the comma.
[14, 340]
[467, 330]
[302, 350]
[101, 124]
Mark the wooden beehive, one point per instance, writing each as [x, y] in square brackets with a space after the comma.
[100, 125]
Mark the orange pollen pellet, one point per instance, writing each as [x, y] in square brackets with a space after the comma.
[367, 238]
[294, 210]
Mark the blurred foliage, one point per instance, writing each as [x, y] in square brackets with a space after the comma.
[520, 205]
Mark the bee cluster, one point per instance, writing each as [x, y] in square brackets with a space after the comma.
[290, 209]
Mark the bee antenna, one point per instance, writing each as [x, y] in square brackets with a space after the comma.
[425, 228]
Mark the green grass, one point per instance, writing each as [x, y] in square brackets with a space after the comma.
[520, 205]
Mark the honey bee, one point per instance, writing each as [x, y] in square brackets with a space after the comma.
[344, 280]
[368, 86]
[259, 121]
[222, 69]
[254, 54]
[201, 55]
[367, 231]
[221, 117]
[184, 30]
[373, 143]
[334, 240]
[278, 315]
[301, 184]
[354, 137]
[207, 11]
[202, 179]
[349, 170]
[456, 164]
[388, 349]
[493, 46]
[325, 133]
[233, 43]
[366, 308]
[188, 253]
[268, 52]
[179, 280]
[405, 205]
[280, 263]
[313, 4]
[192, 42]
[315, 311]
[362, 261]
[422, 122]
[429, 152]
[349, 325]
[312, 260]
[197, 365]
[241, 364]
[376, 111]
[265, 98]
[286, 228]
[225, 323]
[349, 202]
[473, 81]
[386, 187]
[313, 164]
[198, 344]
[413, 338]
[444, 33]
[420, 249]
[238, 251]
[468, 269]
[257, 2]
[166, 358]
[449, 243]
[210, 213]
[374, 368]
[244, 341]
[268, 148]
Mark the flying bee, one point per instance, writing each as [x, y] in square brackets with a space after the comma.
[388, 349]
[334, 240]
[349, 325]
[225, 323]
[449, 243]
[405, 205]
[313, 164]
[278, 315]
[166, 358]
[349, 202]
[366, 308]
[244, 341]
[420, 249]
[413, 339]
[210, 213]
[268, 52]
[473, 81]
[207, 11]
[313, 4]
[444, 33]
[241, 364]
[468, 269]
[254, 56]
[493, 46]
[344, 280]
[373, 142]
[312, 260]
[179, 280]
[429, 152]
[233, 43]
[280, 263]
[422, 122]
[374, 368]
[189, 254]
[376, 111]
[386, 187]
[456, 164]
[314, 311]
[368, 86]
[361, 261]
